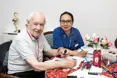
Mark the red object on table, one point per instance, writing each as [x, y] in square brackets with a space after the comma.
[97, 58]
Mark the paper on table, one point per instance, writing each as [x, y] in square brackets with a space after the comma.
[110, 54]
[94, 69]
[84, 74]
[89, 49]
[89, 57]
[78, 61]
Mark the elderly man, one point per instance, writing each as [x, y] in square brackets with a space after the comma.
[26, 51]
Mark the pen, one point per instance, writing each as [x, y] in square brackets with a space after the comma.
[92, 73]
[71, 76]
[86, 59]
[84, 65]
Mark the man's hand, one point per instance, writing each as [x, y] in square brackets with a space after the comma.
[63, 52]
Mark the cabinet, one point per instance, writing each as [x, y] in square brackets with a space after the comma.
[8, 36]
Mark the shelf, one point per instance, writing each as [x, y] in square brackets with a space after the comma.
[10, 33]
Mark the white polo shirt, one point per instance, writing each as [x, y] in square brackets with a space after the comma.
[21, 48]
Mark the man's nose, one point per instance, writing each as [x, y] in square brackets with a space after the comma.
[38, 27]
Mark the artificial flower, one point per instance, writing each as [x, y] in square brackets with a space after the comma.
[94, 41]
[105, 44]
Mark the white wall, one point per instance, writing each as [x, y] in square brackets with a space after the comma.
[99, 16]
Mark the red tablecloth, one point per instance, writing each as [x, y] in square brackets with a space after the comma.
[59, 73]
[62, 73]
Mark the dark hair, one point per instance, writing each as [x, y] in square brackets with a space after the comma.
[68, 14]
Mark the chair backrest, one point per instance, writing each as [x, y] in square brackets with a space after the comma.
[116, 42]
[4, 48]
[49, 37]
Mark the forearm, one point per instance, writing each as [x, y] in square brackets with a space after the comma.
[55, 65]
[52, 52]
[42, 66]
[74, 53]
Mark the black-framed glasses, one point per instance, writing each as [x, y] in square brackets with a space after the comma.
[65, 21]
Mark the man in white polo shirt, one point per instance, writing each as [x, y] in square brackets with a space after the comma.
[26, 51]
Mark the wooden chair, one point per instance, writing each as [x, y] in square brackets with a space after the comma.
[4, 48]
[116, 42]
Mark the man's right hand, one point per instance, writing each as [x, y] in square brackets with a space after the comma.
[63, 52]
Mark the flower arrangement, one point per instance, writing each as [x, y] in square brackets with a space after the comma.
[95, 41]
[105, 43]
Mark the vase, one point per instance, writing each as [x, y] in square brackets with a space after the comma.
[97, 58]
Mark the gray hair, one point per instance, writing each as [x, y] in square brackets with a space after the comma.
[31, 16]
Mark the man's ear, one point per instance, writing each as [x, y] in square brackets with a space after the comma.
[27, 21]
[26, 25]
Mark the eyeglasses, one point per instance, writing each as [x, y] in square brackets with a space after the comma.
[66, 21]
